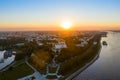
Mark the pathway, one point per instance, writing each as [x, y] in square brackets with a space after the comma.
[36, 74]
[53, 65]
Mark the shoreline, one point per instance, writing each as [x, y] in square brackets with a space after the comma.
[72, 76]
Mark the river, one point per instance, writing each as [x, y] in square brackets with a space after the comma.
[107, 66]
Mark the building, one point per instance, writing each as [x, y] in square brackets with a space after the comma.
[6, 58]
[5, 55]
[1, 56]
[8, 53]
[82, 44]
[58, 46]
[20, 44]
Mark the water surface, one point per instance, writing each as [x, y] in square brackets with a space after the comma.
[107, 67]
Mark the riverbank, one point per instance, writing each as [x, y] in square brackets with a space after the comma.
[107, 67]
[85, 56]
[84, 67]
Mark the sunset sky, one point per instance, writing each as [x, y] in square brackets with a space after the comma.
[49, 14]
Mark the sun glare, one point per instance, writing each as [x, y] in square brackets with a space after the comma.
[66, 24]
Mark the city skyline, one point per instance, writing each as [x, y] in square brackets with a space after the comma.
[49, 14]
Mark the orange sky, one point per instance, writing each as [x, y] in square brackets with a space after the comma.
[57, 27]
[49, 14]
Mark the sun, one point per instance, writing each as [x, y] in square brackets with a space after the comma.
[66, 24]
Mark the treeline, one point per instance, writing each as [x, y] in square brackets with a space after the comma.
[73, 50]
[30, 47]
[10, 42]
[78, 58]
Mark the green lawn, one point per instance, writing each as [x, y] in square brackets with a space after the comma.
[17, 72]
[52, 70]
[51, 77]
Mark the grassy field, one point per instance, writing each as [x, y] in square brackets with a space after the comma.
[52, 70]
[51, 77]
[16, 72]
[39, 60]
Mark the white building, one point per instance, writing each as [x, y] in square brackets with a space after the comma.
[3, 37]
[60, 45]
[19, 44]
[95, 43]
[5, 61]
[83, 43]
[29, 39]
[40, 43]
